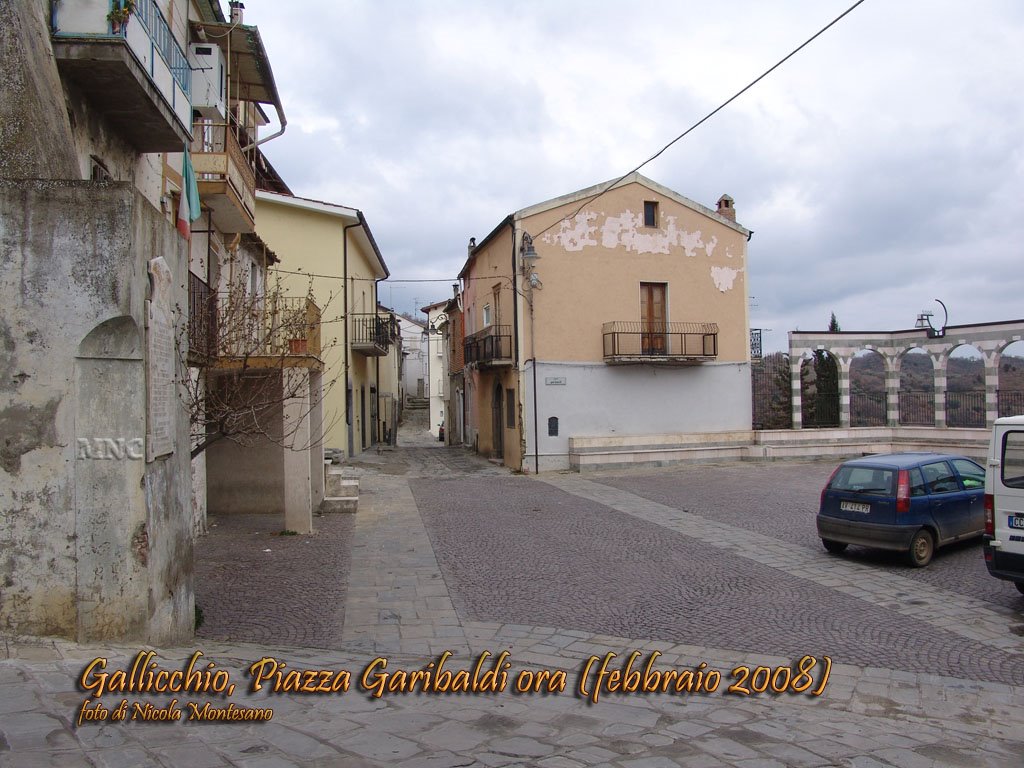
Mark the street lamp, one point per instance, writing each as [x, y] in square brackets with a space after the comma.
[924, 320]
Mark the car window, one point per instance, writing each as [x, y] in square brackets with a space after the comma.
[917, 484]
[971, 475]
[869, 481]
[939, 477]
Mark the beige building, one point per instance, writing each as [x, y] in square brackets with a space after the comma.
[334, 245]
[625, 316]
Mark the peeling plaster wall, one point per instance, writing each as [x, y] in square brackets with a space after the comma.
[591, 266]
[95, 542]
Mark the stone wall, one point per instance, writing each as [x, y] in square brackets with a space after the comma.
[95, 541]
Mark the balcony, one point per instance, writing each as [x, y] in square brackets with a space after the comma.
[627, 343]
[202, 322]
[371, 335]
[490, 347]
[138, 78]
[266, 332]
[227, 183]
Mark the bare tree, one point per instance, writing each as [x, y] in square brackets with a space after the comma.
[248, 355]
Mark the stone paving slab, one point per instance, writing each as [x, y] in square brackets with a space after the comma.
[398, 606]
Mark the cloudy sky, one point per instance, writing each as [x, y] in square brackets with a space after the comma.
[880, 168]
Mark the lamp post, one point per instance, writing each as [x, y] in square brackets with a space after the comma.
[924, 320]
[528, 258]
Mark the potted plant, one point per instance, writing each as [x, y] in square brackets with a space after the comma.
[120, 13]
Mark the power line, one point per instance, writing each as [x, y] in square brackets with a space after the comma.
[709, 115]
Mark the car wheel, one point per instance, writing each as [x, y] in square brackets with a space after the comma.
[1020, 586]
[922, 547]
[835, 547]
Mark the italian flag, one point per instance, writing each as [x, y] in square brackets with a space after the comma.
[188, 203]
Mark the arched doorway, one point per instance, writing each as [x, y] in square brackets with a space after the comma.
[867, 390]
[965, 387]
[819, 390]
[497, 422]
[1010, 389]
[917, 388]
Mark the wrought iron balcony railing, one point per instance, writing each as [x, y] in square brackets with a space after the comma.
[491, 346]
[202, 321]
[372, 334]
[640, 342]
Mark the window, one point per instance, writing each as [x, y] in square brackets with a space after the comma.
[553, 426]
[939, 478]
[510, 408]
[650, 213]
[1013, 460]
[487, 315]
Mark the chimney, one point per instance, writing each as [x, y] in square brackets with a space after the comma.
[472, 245]
[237, 8]
[726, 207]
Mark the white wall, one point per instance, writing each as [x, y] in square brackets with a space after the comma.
[599, 400]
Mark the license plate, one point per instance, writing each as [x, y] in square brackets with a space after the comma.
[854, 506]
[1017, 521]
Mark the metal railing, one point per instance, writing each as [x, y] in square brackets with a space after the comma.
[165, 44]
[1010, 402]
[626, 339]
[917, 408]
[965, 409]
[868, 409]
[278, 326]
[202, 320]
[372, 330]
[492, 344]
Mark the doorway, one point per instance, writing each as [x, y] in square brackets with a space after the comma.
[498, 422]
[652, 318]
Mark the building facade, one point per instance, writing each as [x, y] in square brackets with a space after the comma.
[337, 263]
[623, 316]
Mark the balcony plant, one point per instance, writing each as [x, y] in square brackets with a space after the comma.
[121, 11]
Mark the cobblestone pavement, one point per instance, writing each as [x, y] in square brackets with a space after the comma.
[410, 597]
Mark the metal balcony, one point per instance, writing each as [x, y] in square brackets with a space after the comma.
[490, 347]
[137, 77]
[371, 334]
[627, 343]
[226, 180]
[261, 332]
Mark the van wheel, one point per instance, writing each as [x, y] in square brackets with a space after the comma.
[1020, 586]
[922, 547]
[835, 547]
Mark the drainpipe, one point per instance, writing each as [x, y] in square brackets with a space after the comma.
[347, 343]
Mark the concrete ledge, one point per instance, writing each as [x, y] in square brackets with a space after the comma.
[334, 504]
[625, 451]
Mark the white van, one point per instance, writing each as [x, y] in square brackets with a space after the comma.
[1004, 501]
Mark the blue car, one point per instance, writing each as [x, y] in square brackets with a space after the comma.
[907, 502]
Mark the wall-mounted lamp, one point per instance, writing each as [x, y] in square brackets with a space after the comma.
[528, 254]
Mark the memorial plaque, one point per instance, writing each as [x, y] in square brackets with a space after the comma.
[160, 362]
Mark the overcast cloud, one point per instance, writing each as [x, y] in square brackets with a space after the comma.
[880, 168]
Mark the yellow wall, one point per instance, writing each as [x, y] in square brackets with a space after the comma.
[312, 241]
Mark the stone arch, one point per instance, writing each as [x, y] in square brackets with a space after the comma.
[868, 404]
[1010, 379]
[965, 386]
[819, 389]
[916, 387]
[110, 506]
